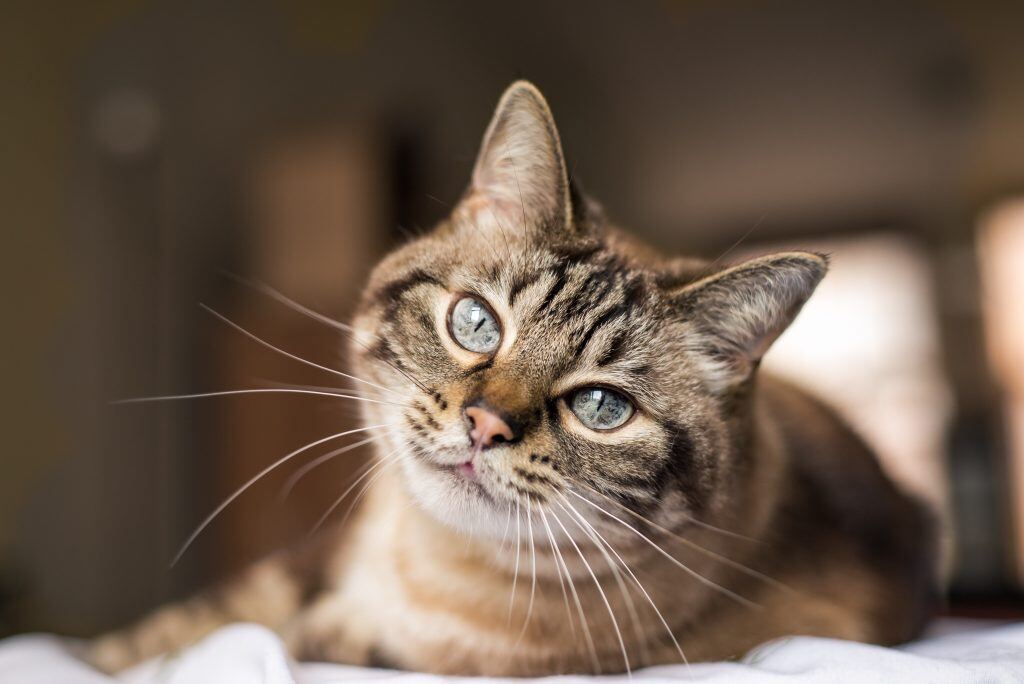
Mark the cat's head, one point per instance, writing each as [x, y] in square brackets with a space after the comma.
[532, 355]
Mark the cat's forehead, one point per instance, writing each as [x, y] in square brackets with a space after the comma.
[594, 308]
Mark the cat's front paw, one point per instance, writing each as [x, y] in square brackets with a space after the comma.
[110, 654]
[326, 642]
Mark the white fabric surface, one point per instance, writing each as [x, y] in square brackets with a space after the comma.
[249, 654]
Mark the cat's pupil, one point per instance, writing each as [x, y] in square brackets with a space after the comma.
[601, 409]
[474, 327]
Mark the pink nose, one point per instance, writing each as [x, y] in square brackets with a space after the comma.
[487, 428]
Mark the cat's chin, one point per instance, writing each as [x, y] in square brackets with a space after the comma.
[456, 498]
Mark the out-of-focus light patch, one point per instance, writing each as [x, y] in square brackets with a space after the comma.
[1001, 255]
[867, 342]
[126, 123]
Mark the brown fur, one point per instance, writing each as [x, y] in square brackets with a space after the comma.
[731, 509]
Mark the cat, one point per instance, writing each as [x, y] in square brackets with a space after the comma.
[580, 468]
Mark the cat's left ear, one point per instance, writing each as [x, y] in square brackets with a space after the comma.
[739, 312]
[520, 170]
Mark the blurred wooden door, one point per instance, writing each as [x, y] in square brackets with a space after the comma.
[316, 208]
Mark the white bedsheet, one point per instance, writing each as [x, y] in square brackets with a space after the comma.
[249, 654]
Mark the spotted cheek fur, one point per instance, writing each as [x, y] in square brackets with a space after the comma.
[434, 424]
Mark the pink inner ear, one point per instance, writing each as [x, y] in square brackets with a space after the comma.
[761, 343]
[483, 210]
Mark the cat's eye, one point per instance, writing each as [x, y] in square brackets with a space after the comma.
[600, 408]
[474, 326]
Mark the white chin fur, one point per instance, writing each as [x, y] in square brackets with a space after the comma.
[455, 503]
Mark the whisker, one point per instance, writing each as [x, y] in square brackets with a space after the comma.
[369, 483]
[712, 528]
[636, 580]
[508, 523]
[258, 390]
[515, 576]
[508, 249]
[533, 568]
[440, 201]
[600, 543]
[725, 560]
[294, 478]
[238, 492]
[522, 204]
[600, 590]
[483, 237]
[693, 573]
[337, 502]
[710, 267]
[282, 298]
[268, 345]
[561, 581]
[588, 638]
[369, 392]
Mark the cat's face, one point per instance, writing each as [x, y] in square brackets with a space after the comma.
[531, 358]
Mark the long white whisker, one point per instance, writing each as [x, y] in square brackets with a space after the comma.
[533, 567]
[600, 543]
[508, 523]
[257, 390]
[282, 298]
[292, 480]
[515, 577]
[561, 580]
[312, 364]
[363, 392]
[369, 483]
[238, 492]
[636, 580]
[725, 560]
[600, 590]
[720, 530]
[588, 638]
[348, 490]
[693, 573]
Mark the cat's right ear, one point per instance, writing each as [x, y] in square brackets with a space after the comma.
[520, 175]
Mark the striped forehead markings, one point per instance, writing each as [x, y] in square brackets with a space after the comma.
[580, 289]
[391, 292]
[560, 273]
[610, 314]
[520, 284]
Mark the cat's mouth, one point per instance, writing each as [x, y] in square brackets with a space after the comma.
[465, 476]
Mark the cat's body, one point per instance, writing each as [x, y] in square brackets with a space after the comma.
[630, 489]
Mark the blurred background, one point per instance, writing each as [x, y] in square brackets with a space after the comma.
[147, 149]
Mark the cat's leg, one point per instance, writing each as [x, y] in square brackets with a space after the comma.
[334, 629]
[270, 593]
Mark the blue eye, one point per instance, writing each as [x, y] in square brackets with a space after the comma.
[600, 408]
[473, 326]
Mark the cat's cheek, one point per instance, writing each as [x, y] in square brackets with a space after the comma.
[364, 332]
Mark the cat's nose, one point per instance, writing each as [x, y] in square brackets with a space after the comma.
[487, 428]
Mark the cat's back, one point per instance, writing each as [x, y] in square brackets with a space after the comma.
[837, 496]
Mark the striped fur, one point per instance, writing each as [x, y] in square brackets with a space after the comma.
[729, 510]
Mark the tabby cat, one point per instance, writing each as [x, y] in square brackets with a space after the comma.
[580, 469]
